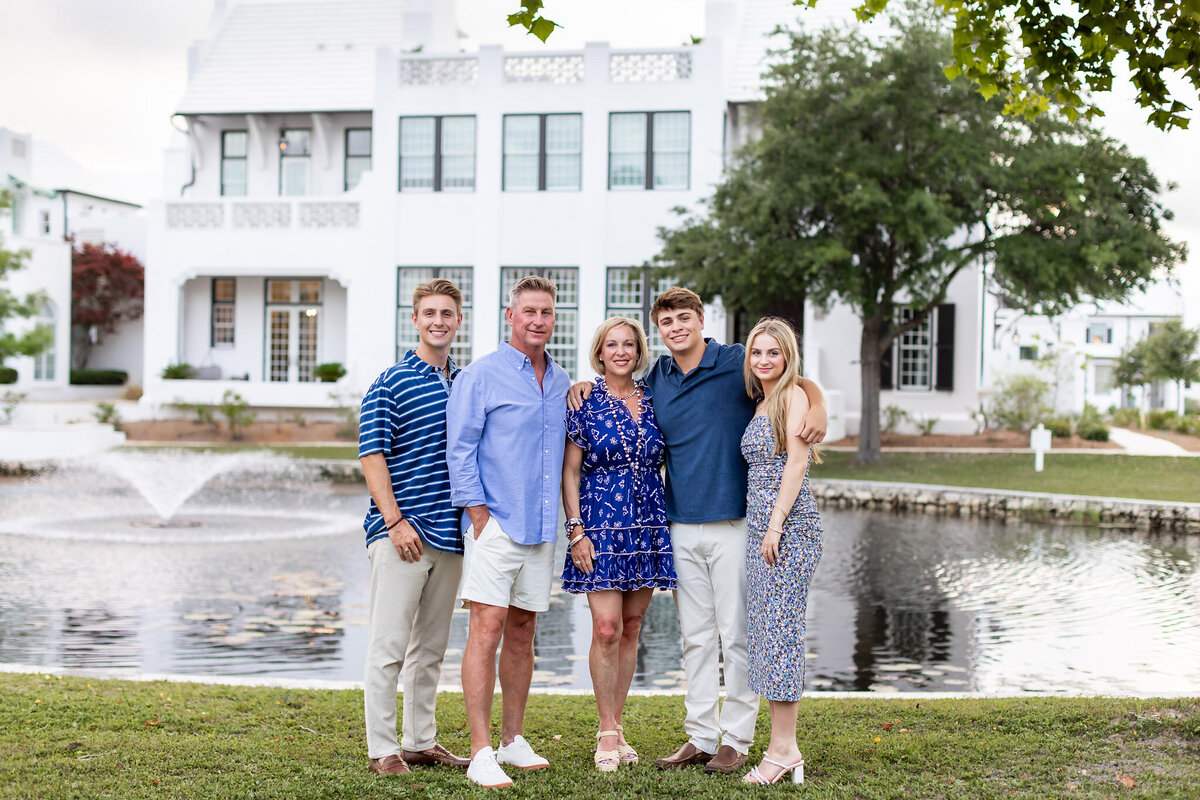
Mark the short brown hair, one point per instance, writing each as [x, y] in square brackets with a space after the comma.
[437, 286]
[643, 356]
[674, 299]
[532, 283]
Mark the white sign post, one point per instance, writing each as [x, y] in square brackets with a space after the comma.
[1039, 440]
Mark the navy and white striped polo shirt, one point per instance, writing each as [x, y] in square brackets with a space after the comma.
[404, 417]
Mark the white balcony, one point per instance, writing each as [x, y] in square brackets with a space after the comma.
[306, 213]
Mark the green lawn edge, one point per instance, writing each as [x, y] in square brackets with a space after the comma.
[1161, 478]
[77, 737]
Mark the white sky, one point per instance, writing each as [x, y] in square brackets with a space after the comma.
[100, 79]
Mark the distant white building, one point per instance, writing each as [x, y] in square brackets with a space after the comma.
[335, 154]
[56, 200]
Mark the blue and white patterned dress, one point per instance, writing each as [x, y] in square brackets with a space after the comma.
[621, 498]
[776, 595]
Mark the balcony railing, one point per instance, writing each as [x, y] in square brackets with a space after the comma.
[263, 214]
[624, 66]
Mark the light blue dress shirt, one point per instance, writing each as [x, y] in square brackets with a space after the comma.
[506, 440]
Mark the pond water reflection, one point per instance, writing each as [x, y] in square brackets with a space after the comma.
[899, 603]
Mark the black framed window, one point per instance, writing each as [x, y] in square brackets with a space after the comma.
[224, 306]
[649, 150]
[922, 359]
[358, 155]
[294, 151]
[630, 292]
[542, 152]
[437, 154]
[234, 148]
[409, 278]
[564, 344]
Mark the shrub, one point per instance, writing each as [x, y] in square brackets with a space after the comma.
[1126, 418]
[1160, 420]
[107, 414]
[1091, 426]
[8, 404]
[98, 377]
[237, 413]
[925, 425]
[348, 409]
[892, 417]
[8, 375]
[1191, 407]
[1020, 401]
[132, 392]
[1059, 427]
[1188, 424]
[981, 417]
[177, 372]
[329, 372]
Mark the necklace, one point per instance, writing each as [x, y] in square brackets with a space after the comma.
[634, 449]
[637, 390]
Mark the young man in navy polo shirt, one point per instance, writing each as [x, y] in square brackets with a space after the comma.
[413, 536]
[700, 402]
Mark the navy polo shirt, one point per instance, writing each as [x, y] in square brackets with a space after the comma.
[703, 415]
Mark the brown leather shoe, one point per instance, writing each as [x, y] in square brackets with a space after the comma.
[435, 755]
[726, 760]
[388, 765]
[685, 756]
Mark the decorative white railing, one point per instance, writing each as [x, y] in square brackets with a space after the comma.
[439, 71]
[543, 69]
[650, 67]
[265, 215]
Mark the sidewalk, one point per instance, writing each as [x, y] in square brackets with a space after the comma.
[1139, 444]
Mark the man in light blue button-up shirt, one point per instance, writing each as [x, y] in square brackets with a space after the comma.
[506, 431]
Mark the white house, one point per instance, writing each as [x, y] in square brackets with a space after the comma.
[56, 200]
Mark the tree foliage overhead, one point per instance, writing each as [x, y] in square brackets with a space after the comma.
[107, 289]
[876, 182]
[1041, 53]
[30, 342]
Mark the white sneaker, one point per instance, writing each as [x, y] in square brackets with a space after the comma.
[519, 754]
[485, 772]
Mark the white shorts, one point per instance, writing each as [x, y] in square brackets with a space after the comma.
[499, 572]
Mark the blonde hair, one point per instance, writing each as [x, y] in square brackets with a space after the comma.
[780, 398]
[434, 287]
[606, 327]
[531, 283]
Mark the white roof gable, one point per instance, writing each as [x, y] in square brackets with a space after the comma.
[295, 55]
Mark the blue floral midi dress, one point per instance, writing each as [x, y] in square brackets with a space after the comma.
[621, 498]
[776, 595]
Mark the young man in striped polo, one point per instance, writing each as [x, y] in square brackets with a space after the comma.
[413, 537]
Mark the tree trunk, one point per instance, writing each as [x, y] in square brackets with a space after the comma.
[870, 352]
[81, 346]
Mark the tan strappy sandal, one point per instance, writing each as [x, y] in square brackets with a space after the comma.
[628, 755]
[606, 760]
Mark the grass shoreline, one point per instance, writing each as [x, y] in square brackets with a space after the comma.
[67, 736]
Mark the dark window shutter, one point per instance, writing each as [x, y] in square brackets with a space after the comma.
[885, 366]
[945, 348]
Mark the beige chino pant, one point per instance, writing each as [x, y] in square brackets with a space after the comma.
[411, 606]
[710, 564]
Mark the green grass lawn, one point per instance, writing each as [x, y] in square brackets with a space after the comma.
[1142, 477]
[84, 738]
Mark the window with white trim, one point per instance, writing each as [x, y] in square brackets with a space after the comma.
[234, 149]
[294, 152]
[542, 152]
[409, 278]
[437, 154]
[224, 306]
[44, 363]
[564, 344]
[630, 292]
[649, 150]
[358, 155]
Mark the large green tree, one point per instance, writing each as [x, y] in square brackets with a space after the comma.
[1171, 355]
[29, 342]
[876, 182]
[1037, 53]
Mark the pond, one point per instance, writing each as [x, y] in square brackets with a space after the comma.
[269, 577]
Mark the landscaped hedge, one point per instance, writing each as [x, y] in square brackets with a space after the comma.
[8, 375]
[98, 377]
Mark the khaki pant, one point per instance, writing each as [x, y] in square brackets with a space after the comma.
[710, 564]
[411, 606]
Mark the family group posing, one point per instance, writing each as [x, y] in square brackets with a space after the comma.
[465, 469]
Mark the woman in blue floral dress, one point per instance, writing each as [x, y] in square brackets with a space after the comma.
[784, 540]
[619, 548]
